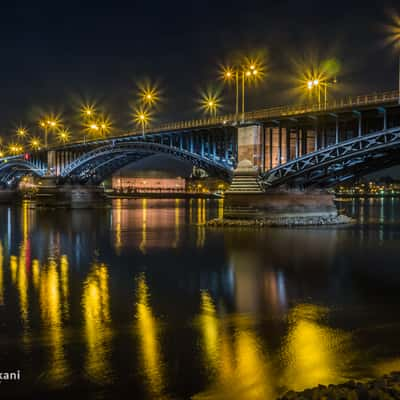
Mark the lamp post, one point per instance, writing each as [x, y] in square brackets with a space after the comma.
[228, 75]
[141, 117]
[393, 38]
[249, 70]
[47, 125]
[210, 103]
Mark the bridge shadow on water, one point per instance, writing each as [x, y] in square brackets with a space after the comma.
[144, 299]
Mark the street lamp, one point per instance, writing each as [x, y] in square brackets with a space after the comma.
[141, 117]
[64, 136]
[317, 83]
[22, 132]
[35, 143]
[49, 124]
[393, 39]
[15, 148]
[249, 70]
[87, 111]
[149, 95]
[229, 74]
[210, 103]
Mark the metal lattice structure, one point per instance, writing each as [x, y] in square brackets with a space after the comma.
[339, 162]
[11, 169]
[103, 161]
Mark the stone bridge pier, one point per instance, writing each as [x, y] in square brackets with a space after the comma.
[247, 200]
[51, 193]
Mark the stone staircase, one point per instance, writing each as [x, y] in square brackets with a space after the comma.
[244, 184]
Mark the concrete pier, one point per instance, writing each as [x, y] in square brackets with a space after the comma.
[51, 194]
[8, 196]
[280, 203]
[246, 201]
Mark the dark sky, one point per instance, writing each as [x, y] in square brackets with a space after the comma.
[55, 53]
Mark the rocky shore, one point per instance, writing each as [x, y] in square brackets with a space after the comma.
[385, 388]
[281, 221]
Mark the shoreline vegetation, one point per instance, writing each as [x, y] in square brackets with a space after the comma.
[384, 388]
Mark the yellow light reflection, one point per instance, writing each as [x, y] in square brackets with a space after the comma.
[22, 286]
[1, 274]
[236, 363]
[142, 245]
[201, 220]
[148, 331]
[13, 268]
[96, 313]
[118, 220]
[177, 220]
[51, 312]
[220, 208]
[314, 354]
[35, 273]
[64, 267]
[210, 330]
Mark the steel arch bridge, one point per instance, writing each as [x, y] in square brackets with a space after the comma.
[338, 163]
[100, 163]
[14, 168]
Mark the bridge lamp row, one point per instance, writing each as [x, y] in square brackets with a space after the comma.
[312, 83]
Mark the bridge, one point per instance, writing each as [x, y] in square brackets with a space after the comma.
[298, 146]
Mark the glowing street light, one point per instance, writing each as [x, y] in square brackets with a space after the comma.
[34, 143]
[22, 132]
[104, 124]
[142, 117]
[393, 39]
[251, 70]
[149, 95]
[210, 103]
[64, 136]
[228, 75]
[50, 123]
[87, 111]
[15, 148]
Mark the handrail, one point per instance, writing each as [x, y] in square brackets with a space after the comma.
[271, 112]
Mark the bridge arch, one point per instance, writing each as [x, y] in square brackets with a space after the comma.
[338, 163]
[100, 163]
[13, 169]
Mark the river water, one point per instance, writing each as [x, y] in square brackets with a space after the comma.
[143, 301]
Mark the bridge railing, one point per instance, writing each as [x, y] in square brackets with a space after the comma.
[369, 99]
[278, 111]
[271, 112]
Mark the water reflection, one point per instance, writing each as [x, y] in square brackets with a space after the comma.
[313, 353]
[1, 275]
[148, 332]
[51, 302]
[96, 315]
[234, 357]
[238, 314]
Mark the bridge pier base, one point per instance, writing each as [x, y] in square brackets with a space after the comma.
[282, 207]
[246, 203]
[8, 196]
[52, 194]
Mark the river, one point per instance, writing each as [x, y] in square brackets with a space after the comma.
[143, 301]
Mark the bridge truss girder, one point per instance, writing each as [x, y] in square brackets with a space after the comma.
[11, 171]
[102, 162]
[337, 163]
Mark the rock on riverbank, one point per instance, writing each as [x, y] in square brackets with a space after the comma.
[281, 221]
[385, 388]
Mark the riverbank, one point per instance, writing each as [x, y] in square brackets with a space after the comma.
[385, 388]
[166, 195]
[282, 221]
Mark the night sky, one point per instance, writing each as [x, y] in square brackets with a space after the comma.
[54, 54]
